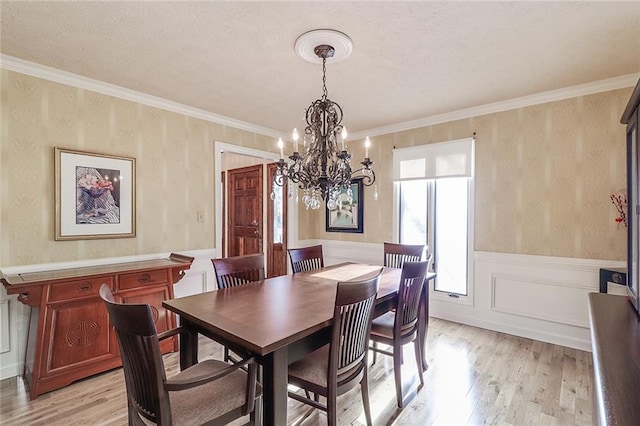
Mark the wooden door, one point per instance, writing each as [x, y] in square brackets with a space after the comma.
[276, 226]
[245, 210]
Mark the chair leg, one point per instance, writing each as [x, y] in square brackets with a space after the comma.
[375, 352]
[397, 368]
[418, 351]
[332, 411]
[256, 415]
[364, 385]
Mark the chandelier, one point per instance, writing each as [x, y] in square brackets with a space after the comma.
[323, 170]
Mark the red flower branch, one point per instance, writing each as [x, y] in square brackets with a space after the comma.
[620, 201]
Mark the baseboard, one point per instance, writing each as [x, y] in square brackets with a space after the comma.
[8, 371]
[568, 340]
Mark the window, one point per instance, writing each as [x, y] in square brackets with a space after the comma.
[434, 184]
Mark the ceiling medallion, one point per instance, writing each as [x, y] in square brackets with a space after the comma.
[323, 170]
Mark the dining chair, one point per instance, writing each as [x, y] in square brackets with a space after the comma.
[339, 366]
[238, 270]
[306, 258]
[399, 328]
[396, 254]
[210, 391]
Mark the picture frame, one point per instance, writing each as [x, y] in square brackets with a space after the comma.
[348, 216]
[94, 195]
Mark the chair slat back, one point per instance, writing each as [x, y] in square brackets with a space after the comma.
[306, 258]
[238, 270]
[141, 358]
[351, 327]
[396, 254]
[409, 292]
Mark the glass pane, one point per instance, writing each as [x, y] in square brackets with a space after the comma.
[413, 212]
[451, 210]
[277, 213]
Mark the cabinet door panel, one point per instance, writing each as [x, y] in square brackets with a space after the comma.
[80, 334]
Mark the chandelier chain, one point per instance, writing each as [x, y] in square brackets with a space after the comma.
[324, 78]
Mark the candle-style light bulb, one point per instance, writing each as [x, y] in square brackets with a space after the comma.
[367, 144]
[344, 136]
[295, 139]
[281, 146]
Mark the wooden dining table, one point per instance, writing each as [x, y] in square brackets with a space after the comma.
[277, 320]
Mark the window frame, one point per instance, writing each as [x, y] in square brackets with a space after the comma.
[457, 157]
[434, 294]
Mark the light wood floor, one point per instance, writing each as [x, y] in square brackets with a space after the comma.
[475, 377]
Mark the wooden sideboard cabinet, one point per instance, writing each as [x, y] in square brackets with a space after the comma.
[615, 340]
[70, 337]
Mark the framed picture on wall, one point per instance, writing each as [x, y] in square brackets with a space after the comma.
[348, 214]
[94, 195]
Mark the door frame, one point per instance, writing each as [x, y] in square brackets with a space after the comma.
[292, 210]
[269, 224]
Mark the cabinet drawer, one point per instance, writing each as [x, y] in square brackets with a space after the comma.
[141, 279]
[77, 289]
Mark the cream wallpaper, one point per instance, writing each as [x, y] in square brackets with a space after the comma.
[543, 177]
[174, 167]
[543, 174]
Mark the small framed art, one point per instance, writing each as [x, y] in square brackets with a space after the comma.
[94, 195]
[348, 216]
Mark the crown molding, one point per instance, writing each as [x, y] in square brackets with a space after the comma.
[621, 82]
[53, 74]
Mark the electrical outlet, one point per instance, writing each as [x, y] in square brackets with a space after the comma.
[200, 216]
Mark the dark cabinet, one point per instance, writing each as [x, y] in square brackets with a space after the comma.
[70, 337]
[630, 117]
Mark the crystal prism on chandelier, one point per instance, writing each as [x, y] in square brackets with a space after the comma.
[323, 170]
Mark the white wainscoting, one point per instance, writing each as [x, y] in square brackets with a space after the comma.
[343, 251]
[530, 298]
[200, 277]
[5, 345]
[14, 317]
[537, 297]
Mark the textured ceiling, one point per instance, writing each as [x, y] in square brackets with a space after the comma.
[411, 60]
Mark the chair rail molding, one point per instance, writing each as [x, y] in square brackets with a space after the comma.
[536, 297]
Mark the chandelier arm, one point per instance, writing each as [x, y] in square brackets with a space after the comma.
[368, 176]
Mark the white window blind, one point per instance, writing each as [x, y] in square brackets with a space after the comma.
[435, 160]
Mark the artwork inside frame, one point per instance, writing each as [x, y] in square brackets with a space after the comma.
[348, 216]
[94, 195]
